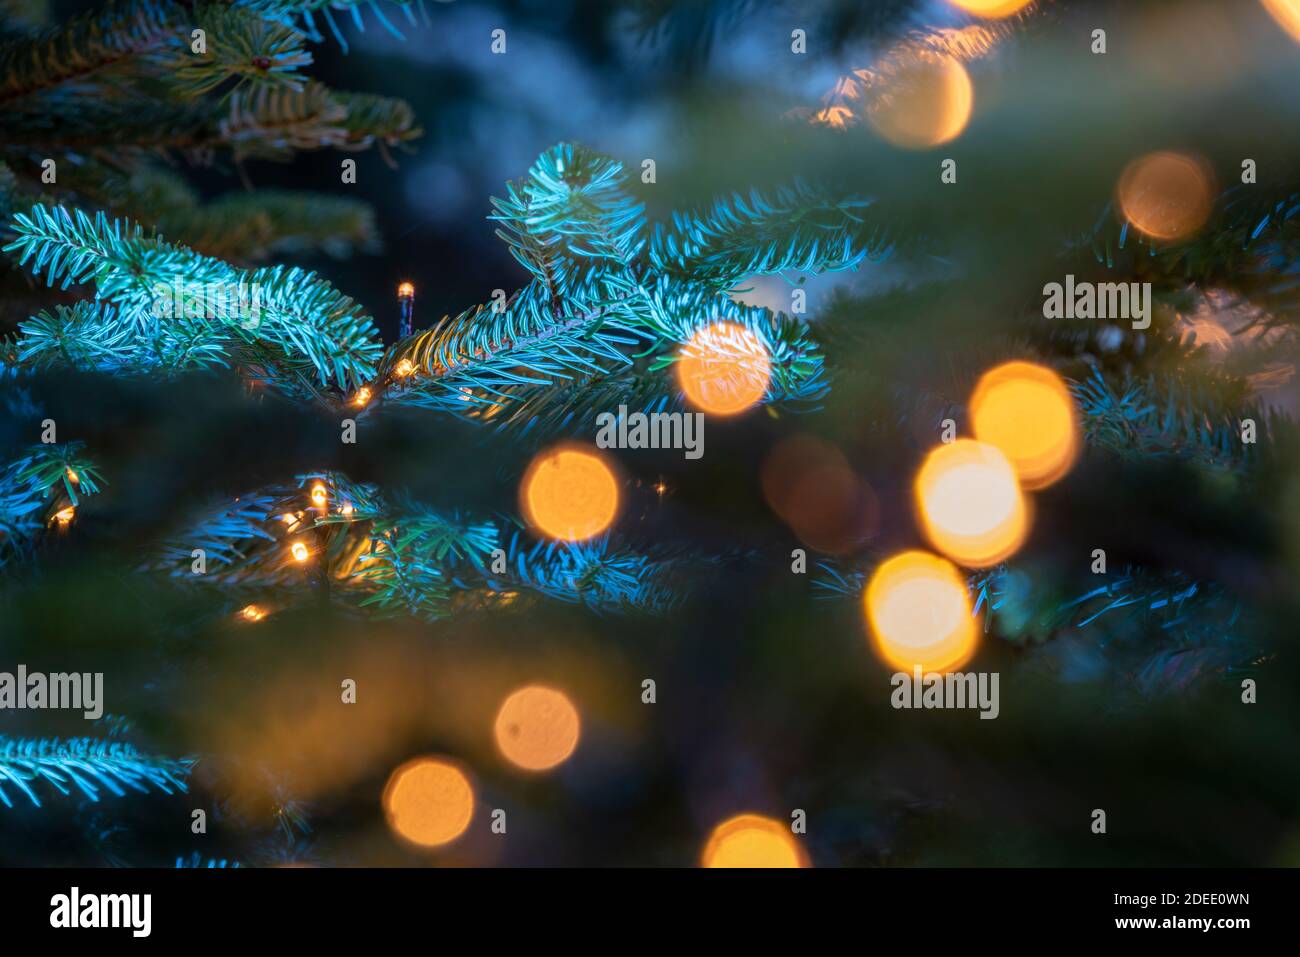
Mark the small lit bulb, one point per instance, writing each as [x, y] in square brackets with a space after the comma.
[405, 290]
[73, 477]
[64, 516]
[347, 509]
[252, 613]
[362, 397]
[318, 495]
[404, 368]
[290, 520]
[299, 552]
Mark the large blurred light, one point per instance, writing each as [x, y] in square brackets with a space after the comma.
[537, 728]
[920, 614]
[811, 486]
[1027, 412]
[428, 801]
[569, 493]
[922, 100]
[1166, 195]
[724, 369]
[970, 503]
[1287, 15]
[991, 8]
[751, 840]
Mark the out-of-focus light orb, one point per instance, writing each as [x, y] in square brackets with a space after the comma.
[752, 840]
[991, 8]
[252, 613]
[810, 484]
[428, 801]
[1026, 411]
[299, 551]
[724, 369]
[318, 495]
[537, 728]
[970, 503]
[920, 613]
[924, 100]
[65, 515]
[1166, 195]
[569, 493]
[1287, 15]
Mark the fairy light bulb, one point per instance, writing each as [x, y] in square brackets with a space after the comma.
[428, 801]
[919, 613]
[406, 301]
[752, 840]
[73, 477]
[537, 728]
[362, 397]
[404, 368]
[347, 509]
[970, 503]
[252, 613]
[1026, 411]
[569, 493]
[64, 516]
[299, 551]
[318, 495]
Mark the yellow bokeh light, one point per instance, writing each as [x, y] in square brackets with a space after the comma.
[724, 369]
[752, 840]
[428, 801]
[1026, 411]
[319, 495]
[920, 614]
[1287, 15]
[404, 368]
[970, 503]
[991, 8]
[1166, 195]
[537, 728]
[405, 290]
[65, 515]
[924, 99]
[569, 493]
[299, 551]
[252, 613]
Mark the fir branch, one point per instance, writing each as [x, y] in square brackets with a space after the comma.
[243, 46]
[797, 229]
[303, 13]
[267, 123]
[37, 486]
[197, 860]
[398, 557]
[1172, 415]
[93, 53]
[86, 764]
[292, 324]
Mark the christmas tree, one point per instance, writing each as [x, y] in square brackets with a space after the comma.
[918, 349]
